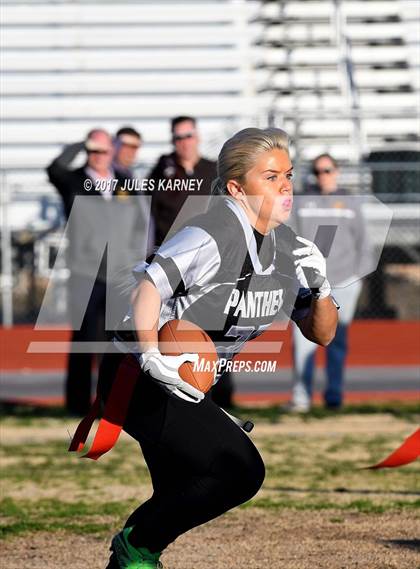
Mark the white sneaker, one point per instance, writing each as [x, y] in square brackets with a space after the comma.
[293, 407]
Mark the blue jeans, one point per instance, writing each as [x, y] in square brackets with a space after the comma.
[304, 354]
[336, 355]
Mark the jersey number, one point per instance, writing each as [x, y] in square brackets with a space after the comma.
[243, 334]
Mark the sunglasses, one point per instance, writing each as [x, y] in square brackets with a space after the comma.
[178, 137]
[324, 171]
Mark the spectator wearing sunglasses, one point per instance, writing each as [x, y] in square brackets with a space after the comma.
[183, 163]
[348, 254]
[70, 181]
[91, 226]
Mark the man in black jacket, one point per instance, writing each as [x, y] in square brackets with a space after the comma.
[103, 233]
[184, 163]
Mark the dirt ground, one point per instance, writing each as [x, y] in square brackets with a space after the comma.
[252, 537]
[250, 540]
[12, 432]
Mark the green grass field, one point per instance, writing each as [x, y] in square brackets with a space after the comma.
[314, 467]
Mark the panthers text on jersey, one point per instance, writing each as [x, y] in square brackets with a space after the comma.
[221, 274]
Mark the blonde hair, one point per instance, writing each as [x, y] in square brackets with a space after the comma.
[239, 153]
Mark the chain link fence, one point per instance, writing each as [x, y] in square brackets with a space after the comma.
[32, 223]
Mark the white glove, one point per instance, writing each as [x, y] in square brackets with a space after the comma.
[311, 268]
[165, 370]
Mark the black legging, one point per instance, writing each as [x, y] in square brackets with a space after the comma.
[201, 463]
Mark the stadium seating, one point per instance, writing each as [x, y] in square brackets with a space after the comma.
[71, 66]
[321, 63]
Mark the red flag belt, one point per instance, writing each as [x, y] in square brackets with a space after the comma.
[116, 409]
[114, 414]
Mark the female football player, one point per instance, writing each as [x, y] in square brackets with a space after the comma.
[230, 271]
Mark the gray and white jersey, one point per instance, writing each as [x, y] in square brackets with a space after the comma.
[221, 274]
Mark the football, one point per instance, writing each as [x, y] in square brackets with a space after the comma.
[180, 337]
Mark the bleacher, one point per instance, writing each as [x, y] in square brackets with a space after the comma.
[322, 63]
[71, 66]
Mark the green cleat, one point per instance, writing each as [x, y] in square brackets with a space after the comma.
[126, 556]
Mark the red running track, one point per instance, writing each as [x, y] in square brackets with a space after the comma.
[371, 343]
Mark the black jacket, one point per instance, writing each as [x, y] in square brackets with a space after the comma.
[167, 204]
